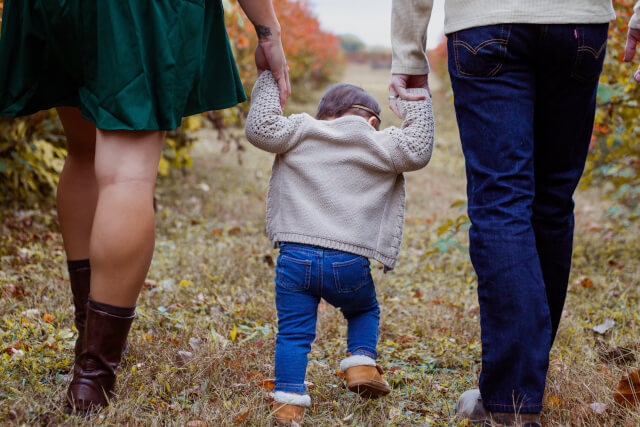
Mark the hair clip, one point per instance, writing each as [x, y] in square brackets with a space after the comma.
[368, 110]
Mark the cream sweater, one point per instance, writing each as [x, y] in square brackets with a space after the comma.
[410, 18]
[338, 184]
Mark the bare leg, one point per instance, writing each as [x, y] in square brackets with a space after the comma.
[77, 189]
[123, 233]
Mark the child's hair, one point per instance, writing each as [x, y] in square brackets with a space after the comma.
[343, 98]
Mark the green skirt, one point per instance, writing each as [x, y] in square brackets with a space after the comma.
[126, 64]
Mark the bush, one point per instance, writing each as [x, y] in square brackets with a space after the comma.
[614, 153]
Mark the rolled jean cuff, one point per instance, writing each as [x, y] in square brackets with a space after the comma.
[363, 351]
[510, 407]
[290, 388]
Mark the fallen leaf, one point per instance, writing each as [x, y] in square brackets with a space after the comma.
[627, 392]
[616, 355]
[233, 333]
[269, 260]
[553, 401]
[584, 414]
[184, 357]
[234, 230]
[149, 284]
[195, 343]
[586, 283]
[267, 384]
[604, 326]
[242, 417]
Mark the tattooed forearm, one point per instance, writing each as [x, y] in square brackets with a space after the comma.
[263, 31]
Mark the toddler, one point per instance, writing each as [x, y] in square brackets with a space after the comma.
[336, 198]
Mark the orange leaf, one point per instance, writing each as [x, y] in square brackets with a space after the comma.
[339, 374]
[242, 417]
[586, 283]
[47, 318]
[267, 384]
[553, 401]
[627, 392]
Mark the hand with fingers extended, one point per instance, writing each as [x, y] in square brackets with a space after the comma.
[399, 85]
[633, 39]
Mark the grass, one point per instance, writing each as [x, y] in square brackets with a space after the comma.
[211, 294]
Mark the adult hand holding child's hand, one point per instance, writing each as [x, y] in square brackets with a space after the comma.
[270, 56]
[633, 38]
[399, 85]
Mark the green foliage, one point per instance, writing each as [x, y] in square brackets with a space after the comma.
[32, 152]
[351, 43]
[615, 154]
[450, 233]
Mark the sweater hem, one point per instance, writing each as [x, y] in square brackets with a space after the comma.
[388, 262]
[512, 18]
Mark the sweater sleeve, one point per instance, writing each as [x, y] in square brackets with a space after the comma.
[635, 19]
[410, 147]
[409, 20]
[266, 127]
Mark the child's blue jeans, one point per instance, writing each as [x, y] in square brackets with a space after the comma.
[305, 274]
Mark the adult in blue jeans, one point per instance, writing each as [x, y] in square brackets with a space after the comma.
[524, 77]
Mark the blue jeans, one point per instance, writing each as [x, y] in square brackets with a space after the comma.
[305, 274]
[525, 99]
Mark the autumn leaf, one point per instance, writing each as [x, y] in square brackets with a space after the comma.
[627, 392]
[233, 333]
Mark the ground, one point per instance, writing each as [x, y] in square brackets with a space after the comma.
[201, 349]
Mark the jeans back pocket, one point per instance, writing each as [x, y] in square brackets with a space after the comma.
[350, 275]
[592, 47]
[481, 51]
[293, 274]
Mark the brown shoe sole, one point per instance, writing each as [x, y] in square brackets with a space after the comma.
[368, 388]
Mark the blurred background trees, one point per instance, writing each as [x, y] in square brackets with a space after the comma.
[614, 160]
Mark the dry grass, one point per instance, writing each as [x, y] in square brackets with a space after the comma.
[213, 274]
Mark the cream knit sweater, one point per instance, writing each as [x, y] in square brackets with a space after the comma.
[338, 184]
[410, 18]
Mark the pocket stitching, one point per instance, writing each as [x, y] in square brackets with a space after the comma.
[500, 41]
[337, 278]
[307, 273]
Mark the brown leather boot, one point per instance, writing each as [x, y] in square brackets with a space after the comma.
[80, 279]
[94, 373]
[286, 414]
[363, 376]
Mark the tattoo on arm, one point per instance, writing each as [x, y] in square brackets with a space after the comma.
[263, 31]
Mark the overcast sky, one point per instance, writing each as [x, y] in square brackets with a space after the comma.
[370, 19]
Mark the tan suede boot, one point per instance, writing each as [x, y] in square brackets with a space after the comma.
[288, 408]
[364, 377]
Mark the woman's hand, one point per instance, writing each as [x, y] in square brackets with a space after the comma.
[270, 56]
[269, 53]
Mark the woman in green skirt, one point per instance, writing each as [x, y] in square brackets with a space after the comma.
[120, 73]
